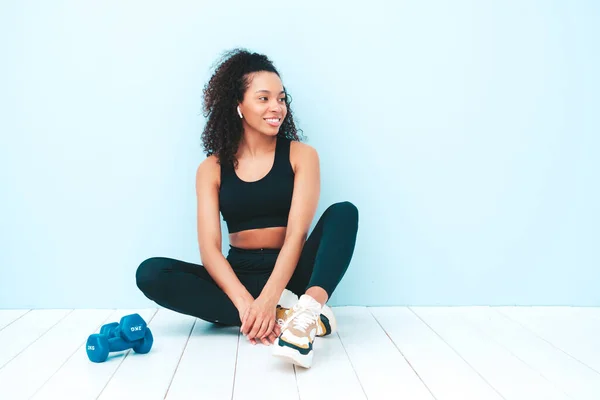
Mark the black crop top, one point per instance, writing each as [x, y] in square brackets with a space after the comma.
[259, 204]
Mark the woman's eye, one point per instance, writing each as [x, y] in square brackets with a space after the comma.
[282, 99]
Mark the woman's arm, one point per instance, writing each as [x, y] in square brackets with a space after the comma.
[209, 234]
[307, 186]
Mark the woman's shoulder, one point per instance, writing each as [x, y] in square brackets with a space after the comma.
[209, 169]
[302, 153]
[210, 163]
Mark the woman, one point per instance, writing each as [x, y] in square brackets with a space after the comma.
[266, 184]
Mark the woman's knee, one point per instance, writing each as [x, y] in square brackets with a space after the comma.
[344, 210]
[148, 273]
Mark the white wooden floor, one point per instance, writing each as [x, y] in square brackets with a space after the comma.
[379, 353]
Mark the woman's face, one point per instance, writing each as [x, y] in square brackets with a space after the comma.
[264, 106]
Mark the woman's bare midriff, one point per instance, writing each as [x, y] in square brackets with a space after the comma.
[264, 238]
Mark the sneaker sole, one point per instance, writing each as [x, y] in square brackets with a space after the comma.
[328, 312]
[288, 354]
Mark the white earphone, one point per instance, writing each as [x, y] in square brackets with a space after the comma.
[239, 112]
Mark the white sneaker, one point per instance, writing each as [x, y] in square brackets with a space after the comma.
[327, 323]
[298, 332]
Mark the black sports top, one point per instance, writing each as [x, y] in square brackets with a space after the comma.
[258, 204]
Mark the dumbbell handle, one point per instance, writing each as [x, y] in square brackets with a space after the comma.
[119, 344]
[117, 331]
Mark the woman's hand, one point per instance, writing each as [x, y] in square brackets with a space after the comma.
[270, 338]
[243, 304]
[258, 321]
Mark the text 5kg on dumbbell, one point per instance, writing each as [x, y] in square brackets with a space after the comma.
[130, 333]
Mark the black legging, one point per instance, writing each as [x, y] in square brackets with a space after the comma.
[189, 289]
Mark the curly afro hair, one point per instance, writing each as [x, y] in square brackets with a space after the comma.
[223, 92]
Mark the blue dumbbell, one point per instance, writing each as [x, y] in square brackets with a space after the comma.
[131, 327]
[131, 333]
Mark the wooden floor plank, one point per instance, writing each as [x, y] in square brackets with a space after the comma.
[446, 374]
[208, 364]
[79, 378]
[572, 332]
[514, 379]
[23, 332]
[147, 376]
[25, 374]
[574, 378]
[9, 316]
[332, 375]
[259, 375]
[380, 367]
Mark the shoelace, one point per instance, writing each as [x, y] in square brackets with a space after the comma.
[302, 317]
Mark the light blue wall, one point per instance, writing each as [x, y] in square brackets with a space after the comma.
[466, 132]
